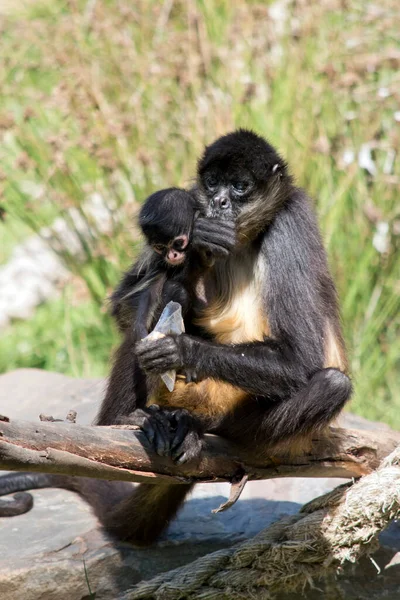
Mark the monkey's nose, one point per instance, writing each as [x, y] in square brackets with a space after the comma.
[222, 202]
[174, 257]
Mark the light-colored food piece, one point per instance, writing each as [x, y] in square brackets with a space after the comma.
[170, 321]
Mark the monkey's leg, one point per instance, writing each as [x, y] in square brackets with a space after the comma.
[309, 409]
[127, 387]
[146, 513]
[312, 407]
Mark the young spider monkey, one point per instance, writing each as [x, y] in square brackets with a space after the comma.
[263, 334]
[167, 265]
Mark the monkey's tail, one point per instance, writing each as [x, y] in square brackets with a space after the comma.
[134, 514]
[18, 482]
[142, 517]
[100, 494]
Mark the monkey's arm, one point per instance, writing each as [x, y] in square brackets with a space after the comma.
[127, 385]
[127, 298]
[264, 368]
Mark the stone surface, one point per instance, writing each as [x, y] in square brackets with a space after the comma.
[35, 272]
[44, 553]
[25, 393]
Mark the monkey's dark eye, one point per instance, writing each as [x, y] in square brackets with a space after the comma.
[211, 181]
[178, 244]
[241, 186]
[159, 248]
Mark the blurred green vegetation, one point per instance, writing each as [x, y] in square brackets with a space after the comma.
[118, 98]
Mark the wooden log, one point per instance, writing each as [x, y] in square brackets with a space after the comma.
[121, 453]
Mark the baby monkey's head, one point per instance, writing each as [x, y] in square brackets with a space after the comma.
[166, 219]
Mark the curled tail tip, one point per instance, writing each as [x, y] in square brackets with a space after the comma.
[22, 503]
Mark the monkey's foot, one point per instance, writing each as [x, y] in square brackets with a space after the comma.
[154, 422]
[186, 443]
[173, 433]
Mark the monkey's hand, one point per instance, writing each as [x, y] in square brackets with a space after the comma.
[215, 236]
[161, 355]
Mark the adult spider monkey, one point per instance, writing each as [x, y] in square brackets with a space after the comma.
[269, 349]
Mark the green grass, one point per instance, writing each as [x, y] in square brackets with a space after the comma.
[76, 340]
[121, 102]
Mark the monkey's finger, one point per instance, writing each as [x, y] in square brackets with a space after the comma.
[144, 346]
[190, 449]
[179, 437]
[149, 429]
[162, 440]
[156, 435]
[217, 235]
[217, 250]
[157, 351]
[221, 239]
[190, 376]
[157, 357]
[181, 459]
[224, 240]
[155, 348]
[162, 364]
[215, 225]
[170, 360]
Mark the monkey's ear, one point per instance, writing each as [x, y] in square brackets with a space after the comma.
[276, 168]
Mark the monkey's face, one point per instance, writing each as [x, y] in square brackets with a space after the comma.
[238, 172]
[173, 251]
[226, 192]
[166, 220]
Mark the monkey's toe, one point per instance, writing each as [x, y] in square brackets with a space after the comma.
[187, 437]
[155, 425]
[191, 376]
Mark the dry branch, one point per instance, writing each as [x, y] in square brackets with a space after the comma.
[123, 454]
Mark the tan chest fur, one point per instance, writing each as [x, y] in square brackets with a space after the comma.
[334, 352]
[234, 313]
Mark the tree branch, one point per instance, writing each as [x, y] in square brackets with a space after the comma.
[120, 453]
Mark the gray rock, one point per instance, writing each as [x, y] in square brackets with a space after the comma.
[25, 393]
[35, 271]
[44, 553]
